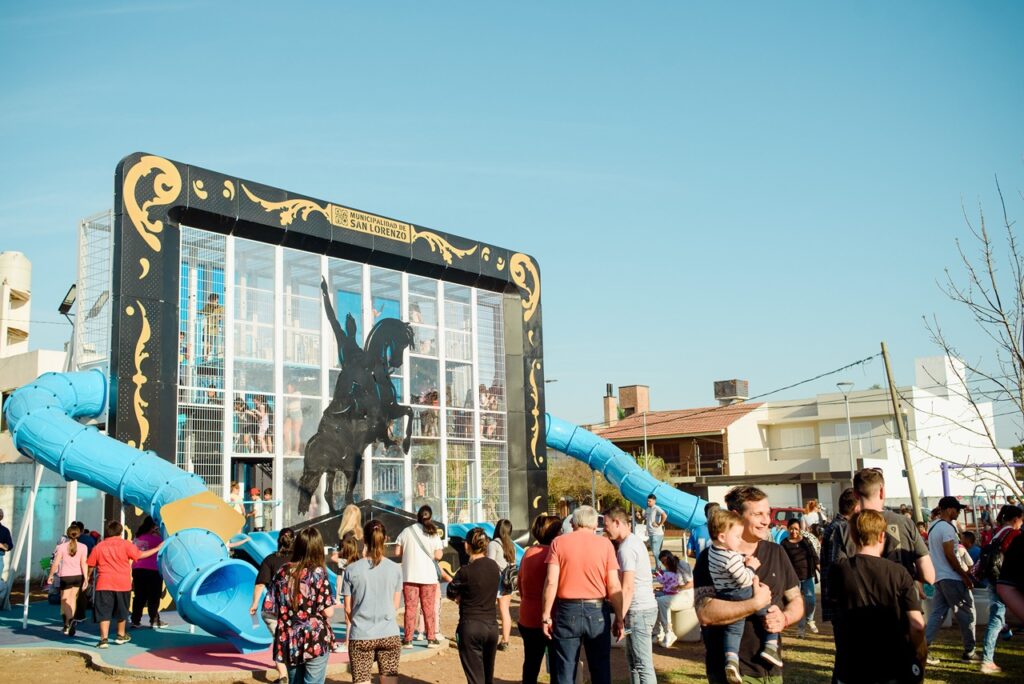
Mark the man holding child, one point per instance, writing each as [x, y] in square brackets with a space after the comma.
[774, 587]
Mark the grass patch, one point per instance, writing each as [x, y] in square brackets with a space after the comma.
[810, 661]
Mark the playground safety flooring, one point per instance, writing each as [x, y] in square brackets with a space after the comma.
[170, 653]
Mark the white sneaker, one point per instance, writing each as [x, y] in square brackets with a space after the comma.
[732, 672]
[811, 626]
[670, 638]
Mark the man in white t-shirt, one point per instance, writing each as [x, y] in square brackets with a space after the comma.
[420, 547]
[638, 602]
[953, 583]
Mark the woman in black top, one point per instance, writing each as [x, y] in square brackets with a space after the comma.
[805, 562]
[474, 587]
[268, 568]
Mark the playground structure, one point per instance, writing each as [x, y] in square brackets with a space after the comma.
[158, 201]
[211, 589]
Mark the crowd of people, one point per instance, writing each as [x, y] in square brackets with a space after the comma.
[581, 590]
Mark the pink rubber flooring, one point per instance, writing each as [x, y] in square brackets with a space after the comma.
[217, 657]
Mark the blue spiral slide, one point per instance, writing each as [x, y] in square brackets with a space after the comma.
[636, 484]
[211, 590]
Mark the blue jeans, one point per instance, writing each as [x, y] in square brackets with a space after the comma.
[996, 622]
[656, 541]
[952, 594]
[810, 601]
[581, 624]
[310, 672]
[733, 632]
[638, 645]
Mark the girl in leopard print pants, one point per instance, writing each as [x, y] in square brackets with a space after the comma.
[372, 587]
[363, 652]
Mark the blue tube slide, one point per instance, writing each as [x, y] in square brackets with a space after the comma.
[211, 590]
[636, 484]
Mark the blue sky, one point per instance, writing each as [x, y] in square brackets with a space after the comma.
[712, 190]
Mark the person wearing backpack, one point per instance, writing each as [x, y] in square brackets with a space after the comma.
[503, 552]
[988, 568]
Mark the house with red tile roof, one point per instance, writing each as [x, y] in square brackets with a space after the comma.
[801, 449]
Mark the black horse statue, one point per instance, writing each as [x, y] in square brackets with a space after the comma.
[363, 406]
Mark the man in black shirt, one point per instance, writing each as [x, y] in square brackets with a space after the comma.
[775, 585]
[877, 610]
[903, 543]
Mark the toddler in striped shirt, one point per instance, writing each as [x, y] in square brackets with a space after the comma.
[733, 576]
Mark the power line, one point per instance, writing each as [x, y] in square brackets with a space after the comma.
[811, 445]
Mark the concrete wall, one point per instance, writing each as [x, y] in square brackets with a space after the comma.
[19, 370]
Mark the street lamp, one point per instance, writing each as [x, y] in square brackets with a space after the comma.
[845, 387]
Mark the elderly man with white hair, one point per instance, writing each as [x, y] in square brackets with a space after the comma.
[583, 583]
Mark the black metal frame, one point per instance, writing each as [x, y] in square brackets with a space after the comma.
[155, 196]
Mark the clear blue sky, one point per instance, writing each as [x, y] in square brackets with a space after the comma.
[762, 191]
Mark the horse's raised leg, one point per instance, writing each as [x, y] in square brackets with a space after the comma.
[308, 484]
[353, 478]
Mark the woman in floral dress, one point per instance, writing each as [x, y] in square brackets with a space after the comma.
[300, 596]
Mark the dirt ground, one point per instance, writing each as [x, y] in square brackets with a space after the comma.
[443, 667]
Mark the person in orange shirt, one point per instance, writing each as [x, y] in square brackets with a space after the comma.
[582, 587]
[112, 558]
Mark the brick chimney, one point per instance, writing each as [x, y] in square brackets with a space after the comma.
[635, 399]
[611, 406]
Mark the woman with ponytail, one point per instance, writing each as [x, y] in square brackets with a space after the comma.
[420, 548]
[300, 598]
[503, 552]
[69, 564]
[474, 587]
[372, 588]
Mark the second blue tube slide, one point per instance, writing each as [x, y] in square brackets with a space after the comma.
[636, 484]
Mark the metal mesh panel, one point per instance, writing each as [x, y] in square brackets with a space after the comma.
[491, 370]
[201, 309]
[201, 433]
[92, 306]
[201, 318]
[461, 481]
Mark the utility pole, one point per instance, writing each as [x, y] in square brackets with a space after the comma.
[898, 417]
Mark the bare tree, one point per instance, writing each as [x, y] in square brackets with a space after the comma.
[991, 289]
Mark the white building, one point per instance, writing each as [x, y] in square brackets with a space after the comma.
[58, 502]
[798, 449]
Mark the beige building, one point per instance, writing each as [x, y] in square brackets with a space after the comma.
[799, 449]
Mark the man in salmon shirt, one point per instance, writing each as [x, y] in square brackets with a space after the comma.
[112, 558]
[582, 580]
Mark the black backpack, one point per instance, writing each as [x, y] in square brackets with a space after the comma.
[990, 562]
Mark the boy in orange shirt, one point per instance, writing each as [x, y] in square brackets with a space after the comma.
[112, 558]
